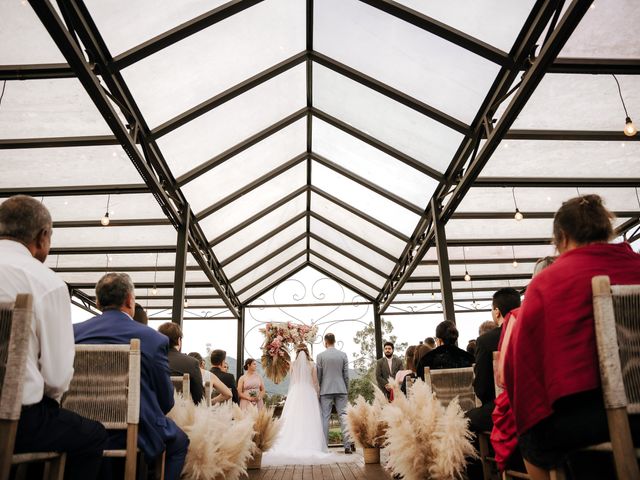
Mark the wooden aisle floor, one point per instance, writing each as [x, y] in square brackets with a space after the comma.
[356, 470]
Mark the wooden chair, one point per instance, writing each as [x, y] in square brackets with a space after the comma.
[181, 385]
[616, 310]
[15, 328]
[448, 383]
[207, 393]
[106, 388]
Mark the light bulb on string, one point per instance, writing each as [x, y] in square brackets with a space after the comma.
[154, 291]
[515, 262]
[186, 302]
[104, 221]
[467, 277]
[629, 128]
[518, 216]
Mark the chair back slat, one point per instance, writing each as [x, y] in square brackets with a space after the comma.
[106, 384]
[181, 384]
[15, 328]
[207, 393]
[626, 306]
[449, 383]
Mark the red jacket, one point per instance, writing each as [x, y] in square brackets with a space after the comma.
[552, 352]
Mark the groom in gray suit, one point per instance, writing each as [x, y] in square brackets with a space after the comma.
[333, 377]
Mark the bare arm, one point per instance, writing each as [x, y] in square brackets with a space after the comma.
[224, 393]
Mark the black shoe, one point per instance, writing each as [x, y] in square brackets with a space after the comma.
[348, 451]
[353, 447]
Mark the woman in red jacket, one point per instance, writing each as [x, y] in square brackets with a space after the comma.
[551, 368]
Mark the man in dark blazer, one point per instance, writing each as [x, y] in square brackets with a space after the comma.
[504, 300]
[157, 433]
[179, 363]
[217, 360]
[386, 367]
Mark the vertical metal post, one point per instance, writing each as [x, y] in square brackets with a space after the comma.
[377, 326]
[446, 289]
[180, 273]
[240, 345]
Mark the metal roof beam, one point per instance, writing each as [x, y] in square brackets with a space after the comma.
[181, 32]
[268, 257]
[340, 281]
[262, 213]
[443, 31]
[280, 169]
[353, 236]
[528, 215]
[58, 142]
[390, 92]
[276, 282]
[373, 221]
[377, 144]
[228, 95]
[367, 184]
[71, 191]
[348, 255]
[570, 135]
[551, 182]
[273, 271]
[345, 270]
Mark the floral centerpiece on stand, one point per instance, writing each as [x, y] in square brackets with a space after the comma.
[275, 349]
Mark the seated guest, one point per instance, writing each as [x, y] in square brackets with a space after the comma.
[471, 347]
[25, 239]
[551, 366]
[446, 355]
[140, 315]
[420, 352]
[157, 433]
[410, 368]
[179, 363]
[486, 326]
[504, 301]
[217, 361]
[430, 342]
[222, 392]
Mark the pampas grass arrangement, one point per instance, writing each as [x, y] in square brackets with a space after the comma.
[221, 443]
[424, 439]
[265, 429]
[364, 421]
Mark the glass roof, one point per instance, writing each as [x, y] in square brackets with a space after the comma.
[317, 139]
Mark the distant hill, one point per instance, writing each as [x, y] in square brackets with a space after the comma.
[275, 389]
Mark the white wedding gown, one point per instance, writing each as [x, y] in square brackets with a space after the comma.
[301, 438]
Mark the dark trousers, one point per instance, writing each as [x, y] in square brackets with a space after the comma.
[45, 427]
[175, 455]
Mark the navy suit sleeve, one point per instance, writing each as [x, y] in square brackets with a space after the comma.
[162, 376]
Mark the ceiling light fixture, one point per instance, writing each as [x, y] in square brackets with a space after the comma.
[467, 277]
[518, 216]
[515, 262]
[104, 221]
[629, 128]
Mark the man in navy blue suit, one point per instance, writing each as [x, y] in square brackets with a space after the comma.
[115, 298]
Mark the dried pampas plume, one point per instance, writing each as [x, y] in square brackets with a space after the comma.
[211, 455]
[364, 420]
[425, 440]
[265, 426]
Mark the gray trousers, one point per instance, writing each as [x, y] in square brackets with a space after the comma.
[340, 400]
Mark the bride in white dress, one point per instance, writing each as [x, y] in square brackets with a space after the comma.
[301, 438]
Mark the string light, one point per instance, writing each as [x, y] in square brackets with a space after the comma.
[515, 262]
[518, 216]
[467, 277]
[186, 300]
[154, 290]
[629, 128]
[104, 221]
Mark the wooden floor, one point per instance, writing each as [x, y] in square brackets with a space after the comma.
[356, 470]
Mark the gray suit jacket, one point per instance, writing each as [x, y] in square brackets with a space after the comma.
[333, 372]
[383, 373]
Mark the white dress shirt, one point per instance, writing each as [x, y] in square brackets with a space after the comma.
[51, 344]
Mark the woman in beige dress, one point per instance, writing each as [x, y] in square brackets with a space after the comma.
[251, 386]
